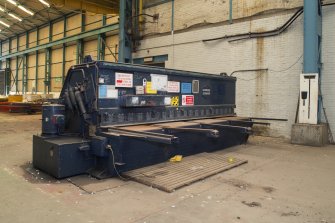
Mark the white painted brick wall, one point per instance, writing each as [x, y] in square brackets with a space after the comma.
[272, 94]
[328, 59]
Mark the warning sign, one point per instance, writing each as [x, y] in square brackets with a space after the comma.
[175, 101]
[187, 100]
[123, 80]
[148, 88]
[173, 87]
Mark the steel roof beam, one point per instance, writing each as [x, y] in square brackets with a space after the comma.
[94, 32]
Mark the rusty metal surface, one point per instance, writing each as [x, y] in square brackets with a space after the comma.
[174, 124]
[140, 128]
[170, 176]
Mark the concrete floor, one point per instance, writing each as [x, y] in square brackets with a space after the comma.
[281, 183]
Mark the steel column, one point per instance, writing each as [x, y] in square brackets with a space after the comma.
[36, 56]
[312, 41]
[0, 54]
[80, 51]
[16, 74]
[47, 77]
[125, 43]
[36, 71]
[25, 67]
[64, 50]
[80, 42]
[24, 74]
[8, 84]
[230, 11]
[102, 42]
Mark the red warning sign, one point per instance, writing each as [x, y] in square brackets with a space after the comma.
[187, 100]
[123, 80]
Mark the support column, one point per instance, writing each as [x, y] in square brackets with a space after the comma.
[0, 54]
[312, 42]
[36, 56]
[310, 130]
[80, 51]
[80, 42]
[24, 73]
[8, 82]
[64, 51]
[125, 43]
[25, 67]
[17, 75]
[47, 78]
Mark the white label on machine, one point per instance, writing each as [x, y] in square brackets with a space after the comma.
[308, 98]
[123, 80]
[173, 87]
[167, 101]
[159, 82]
[112, 92]
[187, 100]
[139, 89]
[108, 92]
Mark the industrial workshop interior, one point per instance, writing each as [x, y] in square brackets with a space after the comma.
[162, 111]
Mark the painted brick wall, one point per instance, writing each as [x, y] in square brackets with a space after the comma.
[328, 59]
[272, 93]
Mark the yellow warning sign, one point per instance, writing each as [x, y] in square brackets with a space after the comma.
[175, 101]
[149, 90]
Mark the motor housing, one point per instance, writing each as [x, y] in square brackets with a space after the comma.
[53, 119]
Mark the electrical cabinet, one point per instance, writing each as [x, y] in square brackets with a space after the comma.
[308, 98]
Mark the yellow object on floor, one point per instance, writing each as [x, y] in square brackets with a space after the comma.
[176, 158]
[231, 159]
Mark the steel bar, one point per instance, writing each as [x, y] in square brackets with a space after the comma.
[209, 132]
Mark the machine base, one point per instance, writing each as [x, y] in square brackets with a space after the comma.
[119, 149]
[62, 156]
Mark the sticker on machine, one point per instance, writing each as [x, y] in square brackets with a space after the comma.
[108, 92]
[187, 100]
[173, 87]
[123, 80]
[175, 101]
[148, 88]
[186, 88]
[159, 82]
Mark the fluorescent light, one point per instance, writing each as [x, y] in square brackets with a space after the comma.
[44, 3]
[12, 1]
[15, 17]
[24, 9]
[5, 24]
[2, 9]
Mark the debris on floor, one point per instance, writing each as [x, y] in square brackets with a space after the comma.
[176, 158]
[252, 204]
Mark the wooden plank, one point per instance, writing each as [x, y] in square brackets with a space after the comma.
[171, 176]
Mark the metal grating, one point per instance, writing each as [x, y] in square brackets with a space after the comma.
[171, 176]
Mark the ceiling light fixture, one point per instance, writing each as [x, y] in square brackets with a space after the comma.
[15, 17]
[5, 24]
[44, 3]
[2, 9]
[12, 1]
[24, 9]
